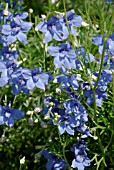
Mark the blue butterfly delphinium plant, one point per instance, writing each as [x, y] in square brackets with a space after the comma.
[81, 80]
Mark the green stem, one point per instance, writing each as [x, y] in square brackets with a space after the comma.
[70, 36]
[101, 64]
[63, 149]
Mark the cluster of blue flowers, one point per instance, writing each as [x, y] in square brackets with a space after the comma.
[13, 28]
[71, 114]
[56, 26]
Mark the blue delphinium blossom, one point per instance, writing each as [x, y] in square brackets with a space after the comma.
[18, 79]
[15, 28]
[105, 78]
[67, 81]
[8, 56]
[108, 60]
[99, 41]
[38, 78]
[63, 55]
[54, 162]
[8, 115]
[100, 95]
[3, 74]
[53, 28]
[73, 116]
[84, 56]
[67, 123]
[51, 106]
[73, 21]
[14, 5]
[81, 160]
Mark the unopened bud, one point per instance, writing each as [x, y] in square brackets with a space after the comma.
[55, 80]
[51, 103]
[38, 155]
[31, 10]
[3, 138]
[37, 109]
[58, 90]
[22, 161]
[5, 12]
[31, 121]
[43, 124]
[95, 138]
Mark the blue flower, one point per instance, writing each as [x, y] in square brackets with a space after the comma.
[64, 55]
[15, 30]
[100, 95]
[3, 74]
[97, 40]
[53, 28]
[84, 56]
[67, 123]
[38, 78]
[54, 162]
[106, 77]
[8, 56]
[67, 81]
[81, 160]
[73, 116]
[8, 115]
[18, 78]
[73, 20]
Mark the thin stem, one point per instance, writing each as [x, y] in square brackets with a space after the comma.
[70, 36]
[63, 149]
[101, 64]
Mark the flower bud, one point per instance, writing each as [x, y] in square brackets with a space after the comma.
[22, 161]
[37, 109]
[31, 10]
[31, 121]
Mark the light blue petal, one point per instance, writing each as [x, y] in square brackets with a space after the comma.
[47, 37]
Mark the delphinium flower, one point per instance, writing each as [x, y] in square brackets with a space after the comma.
[18, 79]
[84, 56]
[14, 5]
[38, 78]
[68, 81]
[8, 115]
[105, 78]
[67, 123]
[51, 108]
[77, 115]
[53, 28]
[109, 49]
[54, 162]
[7, 55]
[3, 74]
[73, 21]
[15, 28]
[63, 55]
[81, 160]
